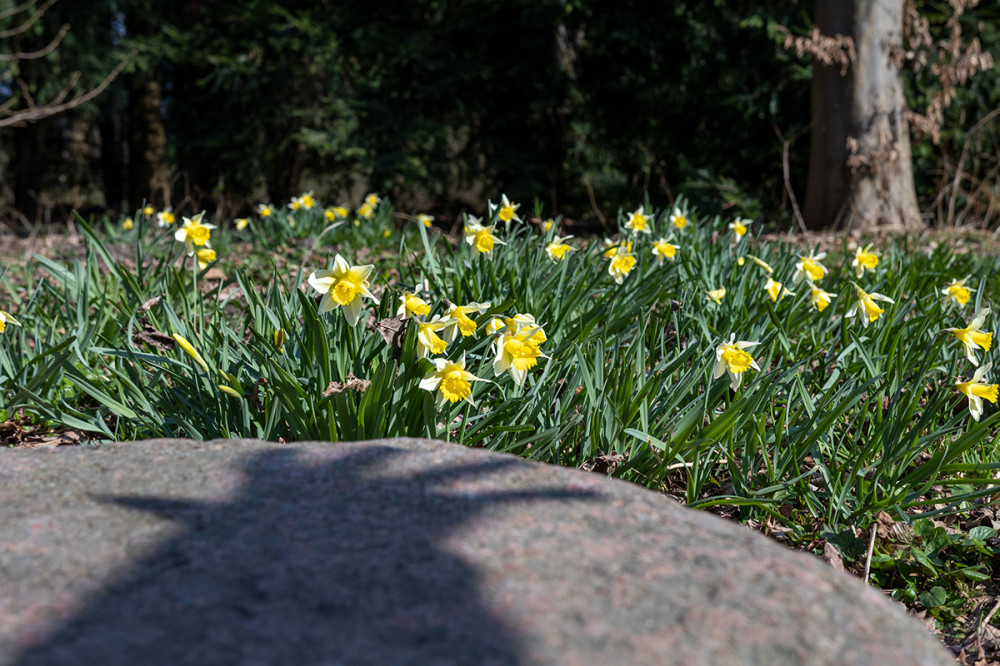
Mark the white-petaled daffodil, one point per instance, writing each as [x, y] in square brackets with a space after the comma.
[461, 321]
[426, 220]
[428, 341]
[810, 267]
[977, 389]
[731, 357]
[739, 227]
[957, 291]
[411, 305]
[506, 211]
[638, 222]
[678, 219]
[865, 304]
[343, 286]
[664, 249]
[622, 262]
[165, 217]
[451, 380]
[819, 298]
[517, 351]
[194, 234]
[864, 259]
[480, 237]
[559, 248]
[776, 290]
[972, 336]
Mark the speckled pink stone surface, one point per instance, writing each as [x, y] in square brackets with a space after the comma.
[399, 552]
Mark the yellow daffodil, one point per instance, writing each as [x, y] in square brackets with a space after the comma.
[204, 256]
[191, 351]
[739, 227]
[148, 211]
[480, 237]
[678, 219]
[957, 291]
[977, 389]
[819, 298]
[760, 262]
[452, 381]
[610, 248]
[558, 249]
[165, 217]
[733, 358]
[428, 341]
[622, 263]
[638, 222]
[264, 210]
[128, 224]
[716, 295]
[776, 290]
[517, 352]
[972, 336]
[330, 215]
[461, 321]
[373, 200]
[810, 267]
[305, 201]
[426, 220]
[193, 233]
[386, 233]
[412, 305]
[279, 340]
[7, 318]
[865, 304]
[663, 249]
[522, 321]
[505, 210]
[366, 210]
[547, 225]
[864, 259]
[343, 286]
[241, 223]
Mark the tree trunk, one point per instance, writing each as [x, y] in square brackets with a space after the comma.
[860, 169]
[147, 138]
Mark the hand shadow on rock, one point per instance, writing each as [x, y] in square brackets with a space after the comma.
[335, 563]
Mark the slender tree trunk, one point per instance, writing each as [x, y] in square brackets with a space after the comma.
[860, 168]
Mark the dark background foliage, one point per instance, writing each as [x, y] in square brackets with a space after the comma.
[439, 104]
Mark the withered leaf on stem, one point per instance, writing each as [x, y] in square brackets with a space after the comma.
[393, 331]
[352, 383]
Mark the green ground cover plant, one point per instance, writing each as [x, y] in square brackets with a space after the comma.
[816, 395]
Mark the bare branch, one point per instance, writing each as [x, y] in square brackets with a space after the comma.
[36, 113]
[41, 53]
[30, 21]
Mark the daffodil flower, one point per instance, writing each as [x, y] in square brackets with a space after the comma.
[7, 318]
[610, 248]
[865, 304]
[957, 291]
[972, 336]
[819, 298]
[411, 305]
[517, 352]
[506, 211]
[810, 267]
[637, 222]
[864, 259]
[425, 220]
[365, 210]
[148, 211]
[128, 224]
[204, 257]
[264, 210]
[452, 381]
[461, 321]
[622, 263]
[558, 249]
[776, 290]
[343, 286]
[194, 233]
[739, 227]
[678, 219]
[663, 249]
[428, 341]
[330, 215]
[733, 358]
[547, 225]
[480, 237]
[165, 217]
[716, 295]
[304, 201]
[241, 223]
[373, 200]
[977, 389]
